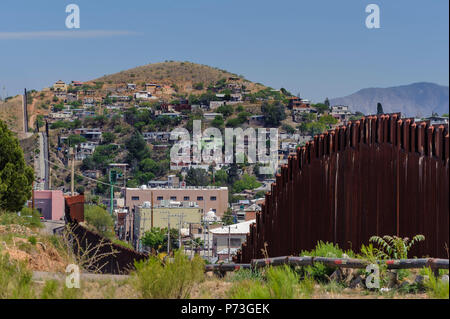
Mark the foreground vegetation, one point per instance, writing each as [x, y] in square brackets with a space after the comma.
[178, 276]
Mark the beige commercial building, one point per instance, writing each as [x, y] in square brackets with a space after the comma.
[181, 215]
[207, 198]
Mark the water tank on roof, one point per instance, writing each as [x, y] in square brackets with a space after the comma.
[146, 205]
[143, 187]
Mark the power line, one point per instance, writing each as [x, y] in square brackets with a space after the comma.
[81, 175]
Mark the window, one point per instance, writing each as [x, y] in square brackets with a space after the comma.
[213, 198]
[134, 197]
[186, 198]
[199, 197]
[173, 198]
[160, 198]
[235, 242]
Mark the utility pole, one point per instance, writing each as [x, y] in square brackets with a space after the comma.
[229, 239]
[112, 181]
[72, 173]
[168, 235]
[151, 223]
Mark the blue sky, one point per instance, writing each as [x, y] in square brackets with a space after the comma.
[319, 48]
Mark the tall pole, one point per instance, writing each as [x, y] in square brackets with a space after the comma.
[229, 235]
[72, 173]
[168, 234]
[151, 222]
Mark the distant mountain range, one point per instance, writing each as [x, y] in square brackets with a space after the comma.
[417, 99]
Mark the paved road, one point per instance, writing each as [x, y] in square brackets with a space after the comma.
[41, 164]
[50, 225]
[46, 159]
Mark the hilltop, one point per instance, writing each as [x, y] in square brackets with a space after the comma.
[416, 99]
[182, 74]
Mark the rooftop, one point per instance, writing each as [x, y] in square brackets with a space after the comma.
[239, 228]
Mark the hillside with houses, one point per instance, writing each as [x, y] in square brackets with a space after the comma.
[110, 139]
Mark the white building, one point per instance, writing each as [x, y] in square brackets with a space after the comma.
[232, 236]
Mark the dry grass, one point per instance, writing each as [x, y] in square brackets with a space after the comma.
[183, 74]
[11, 113]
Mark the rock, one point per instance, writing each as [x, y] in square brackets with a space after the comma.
[348, 275]
[336, 276]
[444, 278]
[420, 279]
[391, 279]
[405, 284]
[357, 282]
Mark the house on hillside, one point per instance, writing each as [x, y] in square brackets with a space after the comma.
[340, 112]
[84, 150]
[91, 134]
[131, 86]
[76, 83]
[144, 95]
[60, 86]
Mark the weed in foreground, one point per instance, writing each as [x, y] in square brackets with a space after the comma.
[174, 278]
[280, 283]
[15, 280]
[436, 287]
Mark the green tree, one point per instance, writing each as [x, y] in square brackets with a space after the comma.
[328, 120]
[226, 110]
[246, 182]
[379, 108]
[197, 177]
[16, 177]
[137, 148]
[321, 108]
[108, 138]
[273, 113]
[218, 122]
[198, 86]
[289, 129]
[157, 239]
[99, 218]
[227, 218]
[75, 139]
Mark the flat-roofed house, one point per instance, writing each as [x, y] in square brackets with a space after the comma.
[60, 86]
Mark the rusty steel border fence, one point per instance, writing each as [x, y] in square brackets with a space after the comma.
[107, 256]
[381, 175]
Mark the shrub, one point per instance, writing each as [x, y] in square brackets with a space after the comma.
[281, 283]
[437, 288]
[247, 274]
[27, 217]
[99, 218]
[174, 278]
[32, 240]
[15, 280]
[319, 271]
[393, 246]
[249, 289]
[58, 290]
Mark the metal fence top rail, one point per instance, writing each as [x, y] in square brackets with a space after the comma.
[433, 263]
